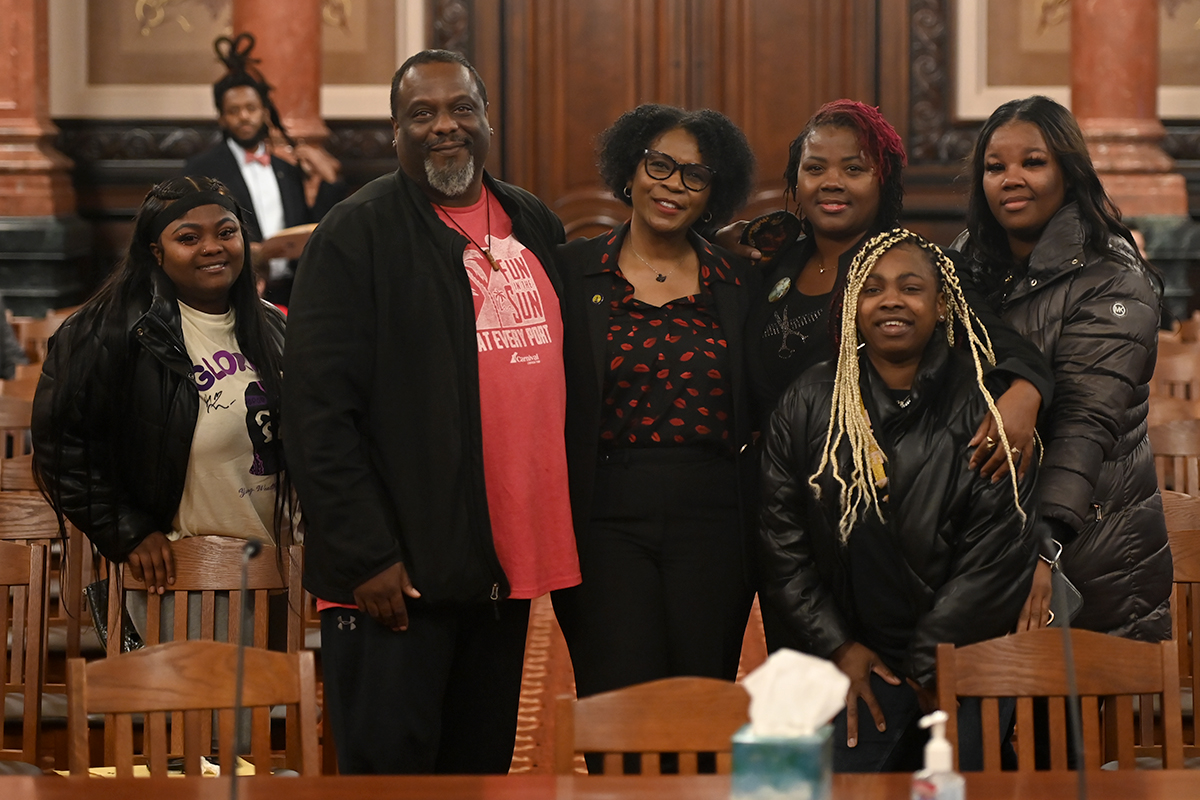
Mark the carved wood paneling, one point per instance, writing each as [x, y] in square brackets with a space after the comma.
[573, 66]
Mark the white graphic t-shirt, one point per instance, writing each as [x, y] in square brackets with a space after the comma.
[522, 392]
[229, 489]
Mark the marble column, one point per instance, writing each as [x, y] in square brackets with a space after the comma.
[1114, 95]
[45, 247]
[289, 45]
[34, 177]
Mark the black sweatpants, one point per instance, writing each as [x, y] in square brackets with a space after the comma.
[664, 589]
[440, 697]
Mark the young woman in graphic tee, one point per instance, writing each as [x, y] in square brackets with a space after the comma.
[156, 414]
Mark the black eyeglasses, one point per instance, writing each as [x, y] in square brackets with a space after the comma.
[661, 166]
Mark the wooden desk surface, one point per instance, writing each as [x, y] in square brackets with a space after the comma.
[1169, 785]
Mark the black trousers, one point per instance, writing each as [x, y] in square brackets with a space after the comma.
[440, 697]
[664, 589]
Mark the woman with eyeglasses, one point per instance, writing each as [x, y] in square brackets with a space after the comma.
[658, 411]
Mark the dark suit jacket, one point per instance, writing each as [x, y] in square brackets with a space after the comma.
[219, 163]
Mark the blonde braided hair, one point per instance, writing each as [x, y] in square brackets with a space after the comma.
[848, 417]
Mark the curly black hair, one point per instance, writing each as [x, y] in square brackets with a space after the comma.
[722, 145]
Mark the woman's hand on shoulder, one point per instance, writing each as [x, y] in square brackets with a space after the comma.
[1018, 409]
[152, 562]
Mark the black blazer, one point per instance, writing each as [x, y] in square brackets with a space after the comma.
[219, 163]
[588, 293]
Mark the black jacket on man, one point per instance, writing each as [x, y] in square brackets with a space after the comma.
[964, 556]
[381, 395]
[219, 162]
[118, 464]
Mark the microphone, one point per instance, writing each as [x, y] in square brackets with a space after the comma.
[1058, 602]
[251, 549]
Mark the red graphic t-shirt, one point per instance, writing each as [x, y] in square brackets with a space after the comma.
[518, 330]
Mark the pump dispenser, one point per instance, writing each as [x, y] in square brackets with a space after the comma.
[938, 781]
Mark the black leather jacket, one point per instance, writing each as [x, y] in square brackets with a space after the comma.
[1096, 319]
[967, 557]
[112, 444]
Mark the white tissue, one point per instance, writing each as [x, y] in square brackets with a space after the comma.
[794, 694]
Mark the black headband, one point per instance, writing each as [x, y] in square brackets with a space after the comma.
[185, 204]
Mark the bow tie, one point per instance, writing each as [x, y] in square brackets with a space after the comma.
[264, 159]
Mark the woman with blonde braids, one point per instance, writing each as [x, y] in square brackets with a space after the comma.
[879, 539]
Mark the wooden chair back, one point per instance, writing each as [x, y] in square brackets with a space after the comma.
[1171, 409]
[23, 384]
[674, 715]
[1028, 665]
[211, 564]
[1177, 374]
[1183, 527]
[27, 517]
[16, 474]
[23, 626]
[34, 334]
[192, 679]
[1176, 448]
[208, 565]
[15, 416]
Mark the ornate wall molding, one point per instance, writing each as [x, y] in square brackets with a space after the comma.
[450, 24]
[932, 136]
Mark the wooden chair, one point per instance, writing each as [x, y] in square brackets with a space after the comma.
[16, 474]
[34, 334]
[1028, 665]
[208, 565]
[1176, 447]
[673, 715]
[1183, 527]
[23, 384]
[27, 519]
[1161, 410]
[23, 625]
[15, 415]
[1177, 374]
[191, 678]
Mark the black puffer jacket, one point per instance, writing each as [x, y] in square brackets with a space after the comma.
[966, 557]
[1096, 319]
[113, 447]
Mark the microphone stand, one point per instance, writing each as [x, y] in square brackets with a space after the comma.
[251, 549]
[1058, 600]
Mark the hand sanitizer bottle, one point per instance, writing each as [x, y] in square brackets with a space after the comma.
[938, 781]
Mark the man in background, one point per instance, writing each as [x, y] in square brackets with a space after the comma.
[290, 186]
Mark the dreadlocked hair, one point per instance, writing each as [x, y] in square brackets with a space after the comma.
[848, 418]
[240, 71]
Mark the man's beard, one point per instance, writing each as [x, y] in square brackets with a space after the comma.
[251, 144]
[450, 181]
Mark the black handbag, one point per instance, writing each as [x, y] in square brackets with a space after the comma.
[96, 595]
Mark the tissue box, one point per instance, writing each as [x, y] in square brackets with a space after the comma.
[796, 768]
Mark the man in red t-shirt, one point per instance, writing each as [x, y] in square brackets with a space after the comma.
[424, 432]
